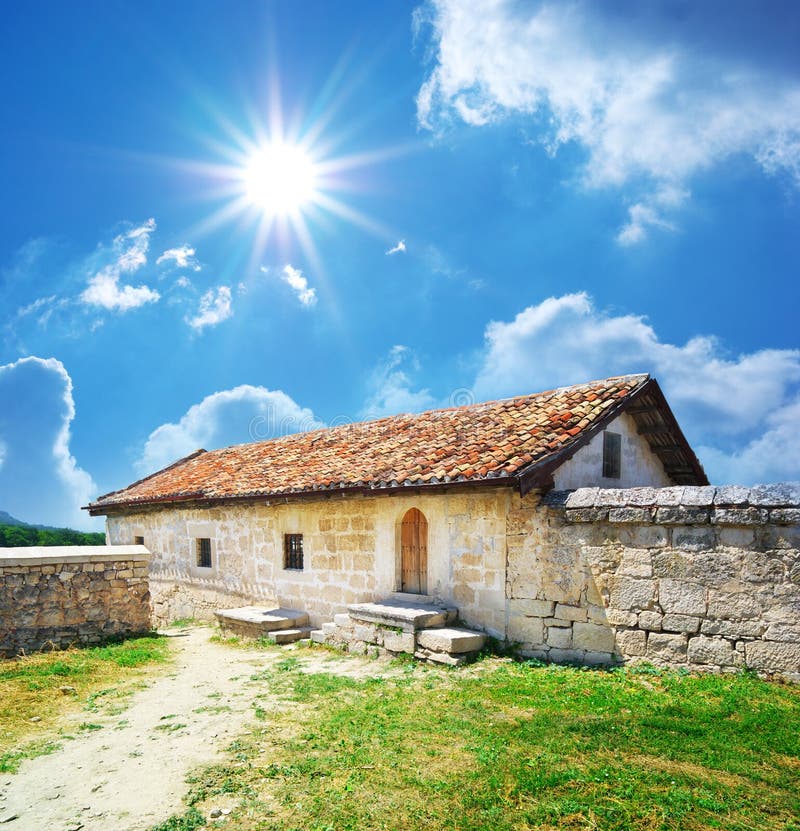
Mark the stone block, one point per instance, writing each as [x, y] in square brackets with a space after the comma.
[611, 498]
[532, 608]
[733, 628]
[732, 605]
[785, 516]
[762, 567]
[559, 638]
[695, 495]
[452, 639]
[399, 641]
[618, 617]
[599, 659]
[783, 632]
[732, 495]
[715, 651]
[587, 515]
[736, 537]
[365, 632]
[739, 516]
[682, 597]
[670, 563]
[773, 656]
[682, 515]
[669, 496]
[646, 536]
[693, 539]
[631, 593]
[581, 498]
[630, 514]
[565, 612]
[714, 568]
[636, 562]
[343, 621]
[631, 642]
[592, 637]
[784, 494]
[668, 648]
[680, 623]
[525, 629]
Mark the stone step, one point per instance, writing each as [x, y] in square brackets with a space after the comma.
[405, 597]
[441, 658]
[318, 636]
[281, 636]
[402, 614]
[256, 622]
[452, 640]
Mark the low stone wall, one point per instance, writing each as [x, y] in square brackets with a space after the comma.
[59, 596]
[698, 577]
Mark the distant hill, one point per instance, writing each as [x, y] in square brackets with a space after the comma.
[14, 533]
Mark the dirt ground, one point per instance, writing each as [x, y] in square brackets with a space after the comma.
[127, 771]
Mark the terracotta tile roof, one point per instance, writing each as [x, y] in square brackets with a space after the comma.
[489, 441]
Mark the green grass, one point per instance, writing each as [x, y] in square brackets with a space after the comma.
[511, 746]
[36, 691]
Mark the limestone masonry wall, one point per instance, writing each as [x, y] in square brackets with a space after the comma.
[698, 577]
[71, 595]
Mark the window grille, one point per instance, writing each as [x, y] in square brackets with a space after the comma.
[293, 551]
[612, 455]
[204, 552]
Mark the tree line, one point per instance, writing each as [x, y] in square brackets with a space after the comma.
[14, 536]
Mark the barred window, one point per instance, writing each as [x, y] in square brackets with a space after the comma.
[612, 455]
[293, 551]
[203, 552]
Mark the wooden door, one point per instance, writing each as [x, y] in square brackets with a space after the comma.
[414, 552]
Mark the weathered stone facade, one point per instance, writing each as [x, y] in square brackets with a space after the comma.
[700, 577]
[61, 596]
[350, 552]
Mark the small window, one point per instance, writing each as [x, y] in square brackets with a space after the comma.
[138, 540]
[203, 552]
[612, 455]
[293, 551]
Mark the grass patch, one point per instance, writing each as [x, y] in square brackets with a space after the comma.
[189, 821]
[37, 690]
[510, 746]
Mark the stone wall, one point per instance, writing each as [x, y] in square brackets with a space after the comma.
[350, 549]
[59, 596]
[698, 577]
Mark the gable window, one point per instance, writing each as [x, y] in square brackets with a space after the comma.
[138, 540]
[612, 455]
[203, 545]
[293, 551]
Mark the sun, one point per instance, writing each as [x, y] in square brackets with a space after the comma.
[280, 179]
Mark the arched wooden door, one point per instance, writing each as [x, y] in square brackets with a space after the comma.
[414, 552]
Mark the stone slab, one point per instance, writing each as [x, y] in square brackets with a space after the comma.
[452, 640]
[265, 620]
[410, 617]
[40, 555]
[282, 636]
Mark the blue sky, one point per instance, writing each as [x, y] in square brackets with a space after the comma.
[492, 199]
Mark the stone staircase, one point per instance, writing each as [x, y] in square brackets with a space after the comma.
[403, 623]
[278, 625]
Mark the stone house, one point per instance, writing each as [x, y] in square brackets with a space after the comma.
[444, 505]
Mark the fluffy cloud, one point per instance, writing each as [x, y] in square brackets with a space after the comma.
[391, 386]
[400, 248]
[129, 251]
[244, 413]
[215, 306]
[722, 402]
[40, 480]
[647, 115]
[294, 278]
[182, 257]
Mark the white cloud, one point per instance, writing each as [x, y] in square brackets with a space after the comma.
[183, 282]
[215, 306]
[647, 115]
[391, 386]
[3, 453]
[40, 480]
[182, 257]
[129, 251]
[400, 248]
[720, 401]
[294, 278]
[244, 413]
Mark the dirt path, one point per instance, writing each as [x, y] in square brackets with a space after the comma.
[131, 774]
